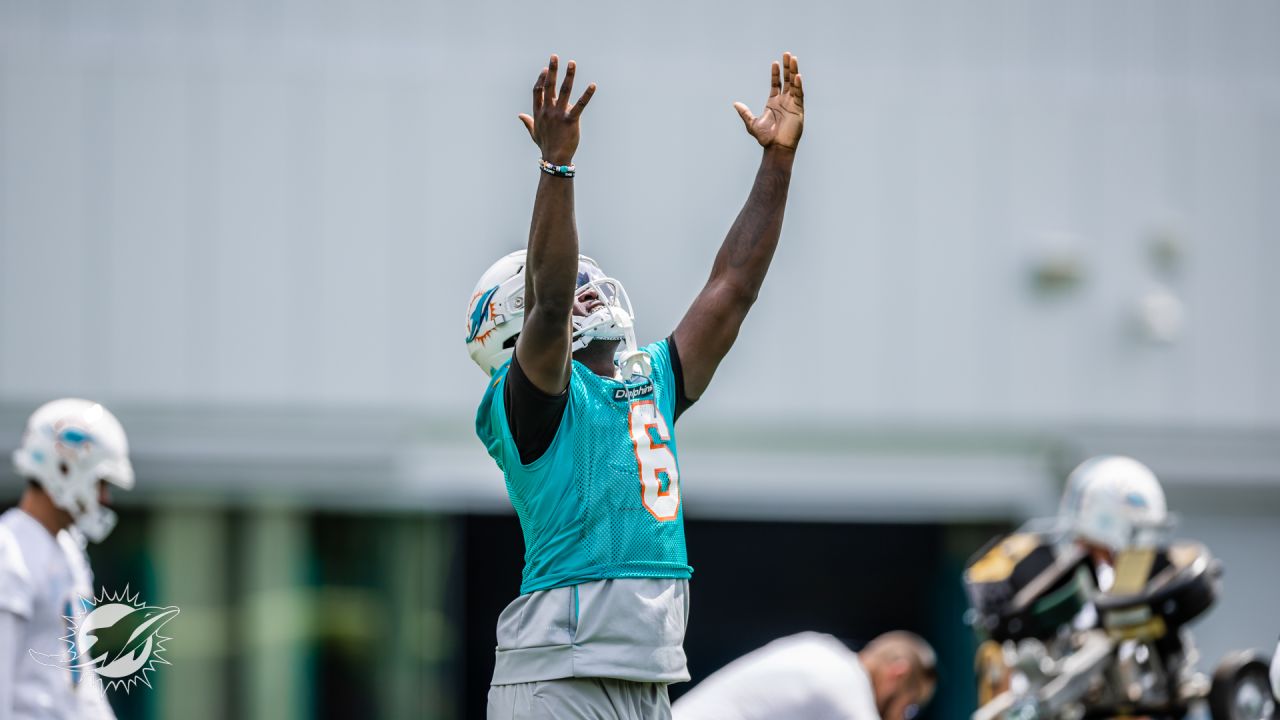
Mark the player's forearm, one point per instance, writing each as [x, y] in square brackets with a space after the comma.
[552, 261]
[748, 249]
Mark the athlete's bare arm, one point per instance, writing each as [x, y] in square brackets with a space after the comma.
[552, 263]
[711, 325]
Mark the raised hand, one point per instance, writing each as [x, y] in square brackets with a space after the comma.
[554, 124]
[782, 122]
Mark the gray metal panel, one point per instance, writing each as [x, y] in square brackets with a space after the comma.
[281, 204]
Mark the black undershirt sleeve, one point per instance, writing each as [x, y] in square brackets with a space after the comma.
[533, 416]
[682, 401]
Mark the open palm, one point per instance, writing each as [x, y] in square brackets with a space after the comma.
[782, 121]
[553, 124]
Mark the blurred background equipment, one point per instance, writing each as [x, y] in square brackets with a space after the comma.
[245, 228]
[1138, 661]
[1087, 615]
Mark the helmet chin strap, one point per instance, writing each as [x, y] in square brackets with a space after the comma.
[632, 362]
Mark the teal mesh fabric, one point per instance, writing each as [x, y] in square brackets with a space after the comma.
[604, 500]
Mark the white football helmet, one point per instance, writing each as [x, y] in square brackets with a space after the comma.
[1115, 502]
[68, 446]
[1275, 673]
[496, 314]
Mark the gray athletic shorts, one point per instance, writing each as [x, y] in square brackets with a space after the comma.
[580, 699]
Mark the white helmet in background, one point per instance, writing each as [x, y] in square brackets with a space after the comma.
[1275, 673]
[496, 314]
[1116, 502]
[69, 445]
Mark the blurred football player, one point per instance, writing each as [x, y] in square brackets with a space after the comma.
[817, 677]
[1112, 509]
[71, 452]
[582, 422]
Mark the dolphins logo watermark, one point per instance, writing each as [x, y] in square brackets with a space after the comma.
[117, 637]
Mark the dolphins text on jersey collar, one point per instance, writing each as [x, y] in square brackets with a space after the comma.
[633, 392]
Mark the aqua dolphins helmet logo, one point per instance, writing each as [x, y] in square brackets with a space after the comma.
[118, 638]
[1134, 499]
[479, 313]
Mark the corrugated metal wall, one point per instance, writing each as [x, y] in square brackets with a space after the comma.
[279, 203]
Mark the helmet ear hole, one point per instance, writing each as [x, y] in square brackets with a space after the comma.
[62, 468]
[510, 342]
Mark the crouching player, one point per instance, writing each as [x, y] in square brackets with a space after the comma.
[817, 677]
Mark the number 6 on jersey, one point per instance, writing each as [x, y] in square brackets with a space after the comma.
[659, 477]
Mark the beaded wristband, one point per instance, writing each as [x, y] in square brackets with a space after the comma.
[566, 171]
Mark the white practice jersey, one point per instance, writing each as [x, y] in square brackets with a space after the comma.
[809, 675]
[42, 580]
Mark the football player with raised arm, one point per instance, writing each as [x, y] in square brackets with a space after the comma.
[582, 422]
[71, 450]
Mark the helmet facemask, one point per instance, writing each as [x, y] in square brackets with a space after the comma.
[613, 319]
[80, 499]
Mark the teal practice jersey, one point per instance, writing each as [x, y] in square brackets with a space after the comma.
[603, 501]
